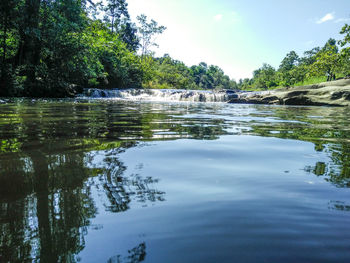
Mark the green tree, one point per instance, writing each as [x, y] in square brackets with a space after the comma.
[9, 18]
[115, 11]
[327, 62]
[289, 62]
[265, 77]
[309, 56]
[118, 19]
[331, 44]
[287, 68]
[345, 52]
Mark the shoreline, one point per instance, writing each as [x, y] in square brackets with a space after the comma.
[332, 93]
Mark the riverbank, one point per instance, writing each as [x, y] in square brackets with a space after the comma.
[332, 93]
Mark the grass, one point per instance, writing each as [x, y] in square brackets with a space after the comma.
[310, 81]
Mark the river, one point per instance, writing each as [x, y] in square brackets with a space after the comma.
[104, 180]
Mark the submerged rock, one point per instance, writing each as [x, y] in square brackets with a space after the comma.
[333, 93]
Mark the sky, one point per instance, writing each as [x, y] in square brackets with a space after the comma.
[240, 35]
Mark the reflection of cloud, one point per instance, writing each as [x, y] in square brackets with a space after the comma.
[218, 17]
[327, 17]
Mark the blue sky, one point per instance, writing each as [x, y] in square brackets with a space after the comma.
[240, 35]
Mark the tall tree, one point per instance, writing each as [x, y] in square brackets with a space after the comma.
[327, 62]
[118, 18]
[345, 52]
[331, 44]
[310, 56]
[147, 32]
[9, 18]
[265, 77]
[290, 61]
[115, 11]
[128, 34]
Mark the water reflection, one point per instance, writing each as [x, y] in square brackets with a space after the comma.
[327, 128]
[53, 154]
[46, 206]
[135, 255]
[47, 171]
[339, 205]
[121, 189]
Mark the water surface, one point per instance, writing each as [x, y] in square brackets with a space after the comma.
[120, 181]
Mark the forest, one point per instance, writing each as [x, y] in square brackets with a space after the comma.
[55, 48]
[330, 62]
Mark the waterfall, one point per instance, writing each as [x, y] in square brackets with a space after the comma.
[162, 95]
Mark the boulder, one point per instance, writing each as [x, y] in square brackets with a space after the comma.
[333, 93]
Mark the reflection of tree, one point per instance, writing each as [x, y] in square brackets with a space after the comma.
[51, 217]
[46, 152]
[46, 177]
[121, 189]
[135, 255]
[48, 218]
[327, 128]
[338, 205]
[15, 246]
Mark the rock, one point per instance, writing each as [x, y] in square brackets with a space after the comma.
[333, 93]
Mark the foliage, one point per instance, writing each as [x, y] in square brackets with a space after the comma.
[345, 52]
[173, 74]
[118, 20]
[147, 32]
[289, 62]
[265, 77]
[55, 48]
[327, 62]
[318, 64]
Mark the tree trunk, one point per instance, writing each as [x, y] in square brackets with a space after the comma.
[29, 31]
[4, 46]
[4, 77]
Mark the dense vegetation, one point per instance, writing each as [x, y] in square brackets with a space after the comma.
[54, 48]
[318, 64]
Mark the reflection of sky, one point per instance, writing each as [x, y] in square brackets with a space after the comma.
[245, 191]
[188, 197]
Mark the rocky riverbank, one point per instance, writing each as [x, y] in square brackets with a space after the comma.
[333, 93]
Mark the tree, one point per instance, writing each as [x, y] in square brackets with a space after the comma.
[118, 19]
[331, 44]
[128, 34]
[147, 32]
[288, 64]
[115, 11]
[345, 52]
[310, 56]
[290, 61]
[51, 48]
[9, 18]
[327, 62]
[265, 77]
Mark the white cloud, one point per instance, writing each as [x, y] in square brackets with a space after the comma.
[342, 20]
[309, 43]
[235, 17]
[218, 17]
[327, 17]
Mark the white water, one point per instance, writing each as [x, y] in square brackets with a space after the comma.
[161, 95]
